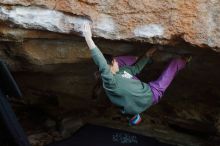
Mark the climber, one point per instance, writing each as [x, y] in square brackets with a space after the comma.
[131, 95]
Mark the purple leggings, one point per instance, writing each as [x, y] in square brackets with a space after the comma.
[158, 86]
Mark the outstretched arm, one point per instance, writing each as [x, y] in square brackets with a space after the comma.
[107, 76]
[136, 69]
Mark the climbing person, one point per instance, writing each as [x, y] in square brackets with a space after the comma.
[122, 61]
[131, 95]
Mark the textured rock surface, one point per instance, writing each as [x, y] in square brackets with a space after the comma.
[54, 69]
[166, 21]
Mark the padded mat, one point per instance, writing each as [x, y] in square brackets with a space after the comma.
[92, 135]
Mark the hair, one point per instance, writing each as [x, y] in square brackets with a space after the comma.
[97, 89]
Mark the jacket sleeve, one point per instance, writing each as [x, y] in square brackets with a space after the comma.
[137, 68]
[104, 69]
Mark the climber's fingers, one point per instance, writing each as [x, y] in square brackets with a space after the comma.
[87, 30]
[151, 51]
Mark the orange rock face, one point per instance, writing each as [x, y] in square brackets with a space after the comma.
[195, 22]
[39, 40]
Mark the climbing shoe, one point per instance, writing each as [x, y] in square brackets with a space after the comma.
[135, 120]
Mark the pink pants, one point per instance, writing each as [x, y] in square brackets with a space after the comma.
[159, 86]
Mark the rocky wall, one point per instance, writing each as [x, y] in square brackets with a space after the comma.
[42, 44]
[195, 22]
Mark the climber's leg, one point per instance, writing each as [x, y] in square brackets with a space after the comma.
[126, 60]
[160, 85]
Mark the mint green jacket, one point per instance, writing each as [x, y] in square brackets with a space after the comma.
[133, 96]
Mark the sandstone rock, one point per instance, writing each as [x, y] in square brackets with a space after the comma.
[39, 39]
[217, 125]
[195, 22]
[40, 139]
[50, 124]
[44, 138]
[69, 125]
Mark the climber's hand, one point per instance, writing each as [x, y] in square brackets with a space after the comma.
[150, 52]
[87, 30]
[88, 35]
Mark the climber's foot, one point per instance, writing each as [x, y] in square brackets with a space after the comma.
[135, 120]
